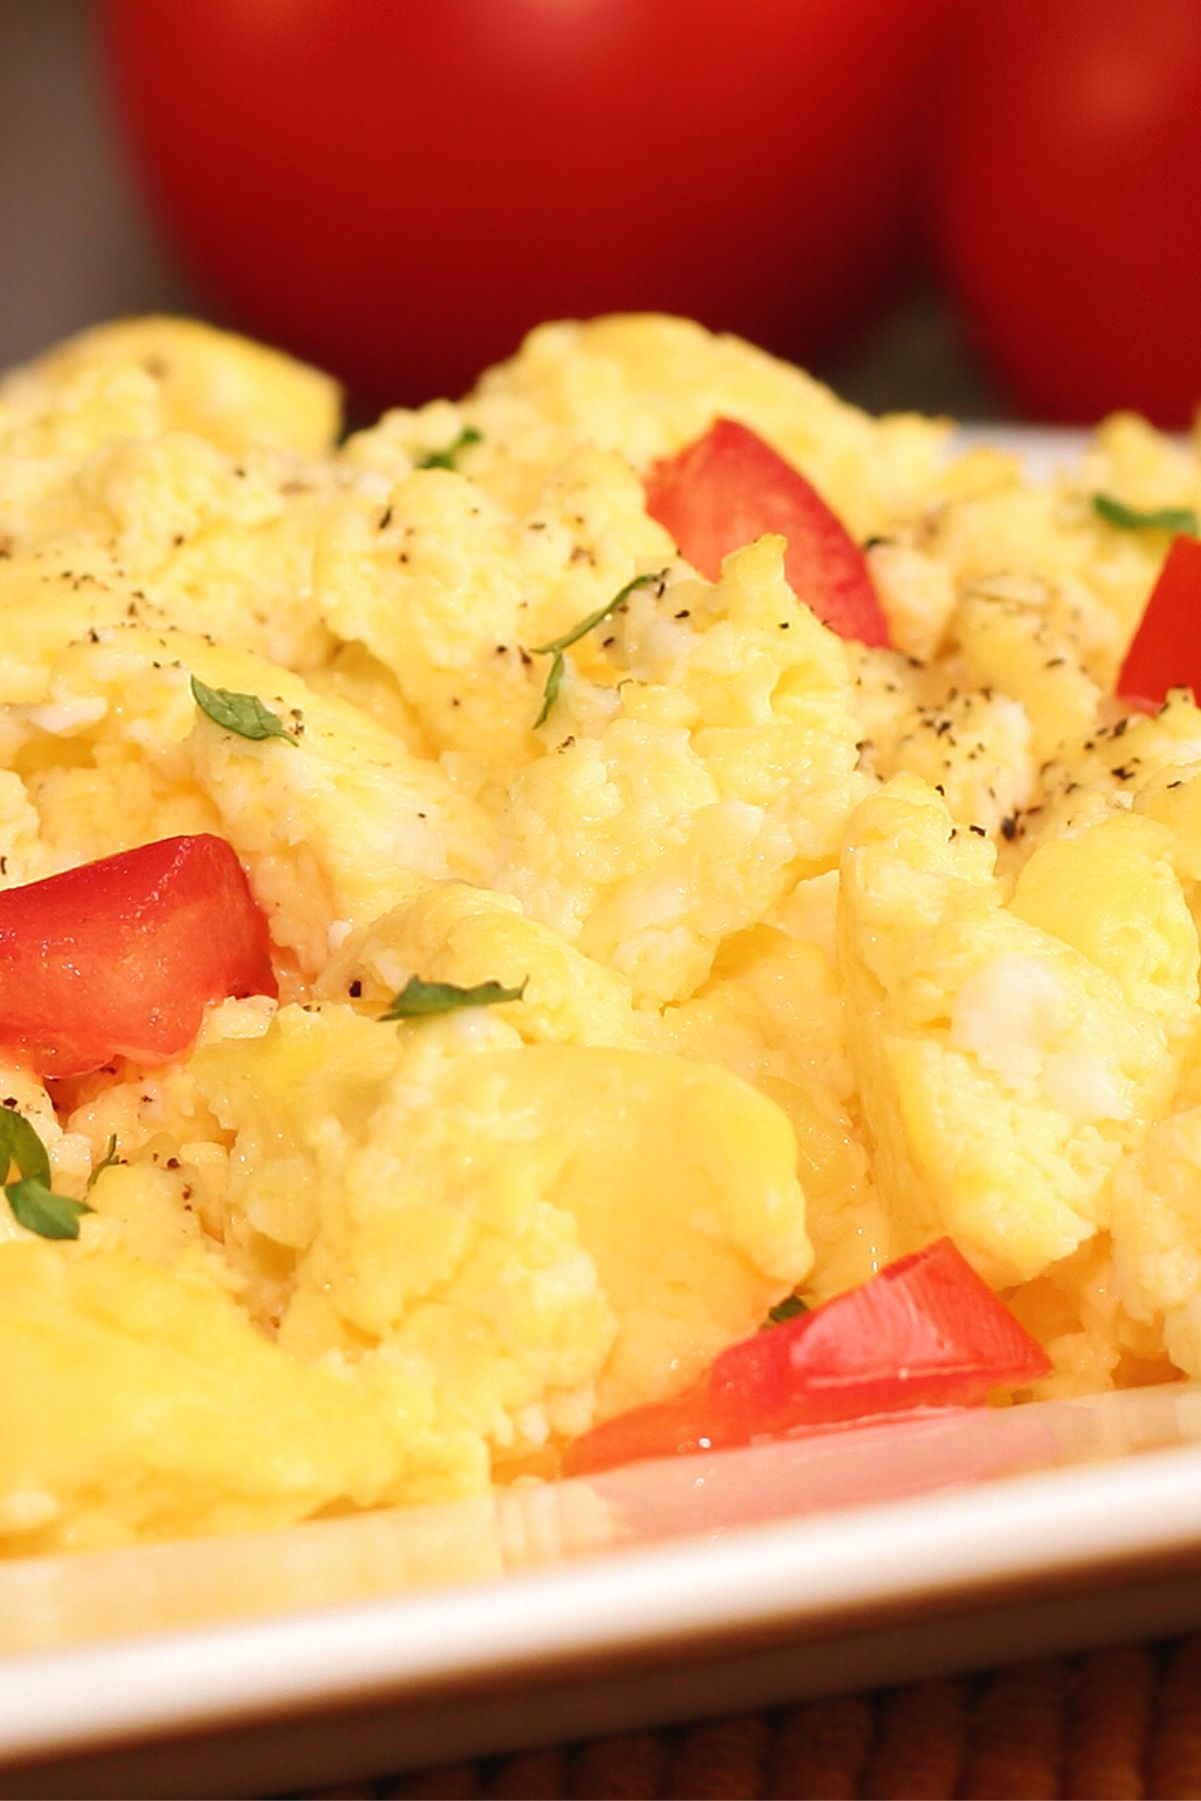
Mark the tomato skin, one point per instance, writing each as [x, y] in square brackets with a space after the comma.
[1070, 129]
[1166, 649]
[400, 191]
[119, 958]
[925, 1333]
[729, 488]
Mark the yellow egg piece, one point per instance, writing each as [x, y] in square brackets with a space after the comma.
[642, 950]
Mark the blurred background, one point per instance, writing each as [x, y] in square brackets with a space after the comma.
[981, 206]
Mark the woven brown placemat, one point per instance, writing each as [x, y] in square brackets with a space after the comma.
[1118, 1724]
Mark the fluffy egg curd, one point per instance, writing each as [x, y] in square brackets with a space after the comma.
[742, 955]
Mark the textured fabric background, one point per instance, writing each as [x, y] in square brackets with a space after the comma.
[1114, 1724]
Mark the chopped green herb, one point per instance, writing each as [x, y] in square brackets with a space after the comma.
[557, 646]
[1131, 519]
[34, 1205]
[550, 693]
[244, 714]
[38, 1210]
[20, 1144]
[446, 459]
[109, 1158]
[418, 999]
[786, 1309]
[586, 625]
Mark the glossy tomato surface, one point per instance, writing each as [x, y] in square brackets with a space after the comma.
[925, 1333]
[1166, 650]
[729, 488]
[399, 191]
[1064, 171]
[121, 957]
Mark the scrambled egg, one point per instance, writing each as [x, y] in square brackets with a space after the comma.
[821, 951]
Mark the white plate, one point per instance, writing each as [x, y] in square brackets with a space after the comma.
[348, 1647]
[866, 1556]
[1043, 449]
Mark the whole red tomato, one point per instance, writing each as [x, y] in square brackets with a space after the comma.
[1067, 170]
[399, 189]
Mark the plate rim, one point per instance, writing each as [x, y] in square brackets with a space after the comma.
[815, 1572]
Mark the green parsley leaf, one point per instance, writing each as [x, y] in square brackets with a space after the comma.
[586, 625]
[550, 693]
[109, 1158]
[786, 1309]
[33, 1203]
[20, 1144]
[418, 999]
[38, 1210]
[244, 714]
[446, 459]
[557, 646]
[1132, 519]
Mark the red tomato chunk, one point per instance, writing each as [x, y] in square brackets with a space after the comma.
[754, 167]
[120, 958]
[1166, 652]
[728, 489]
[1063, 134]
[926, 1332]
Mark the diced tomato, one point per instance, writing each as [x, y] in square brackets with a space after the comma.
[1166, 652]
[121, 957]
[926, 1332]
[729, 488]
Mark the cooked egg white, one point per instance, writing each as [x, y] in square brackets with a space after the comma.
[823, 951]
